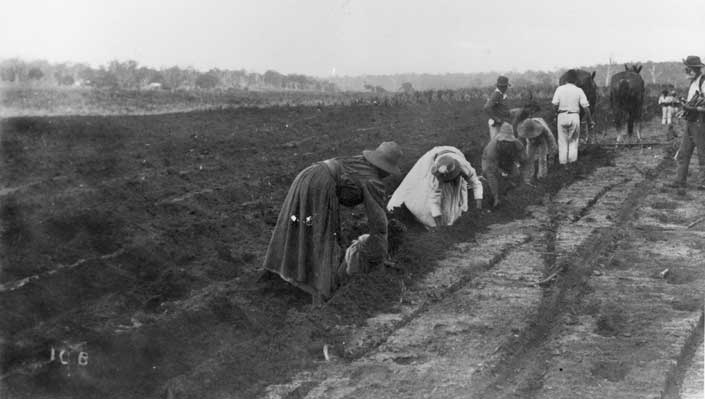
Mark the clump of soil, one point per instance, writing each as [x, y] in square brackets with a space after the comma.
[611, 371]
[680, 276]
[611, 320]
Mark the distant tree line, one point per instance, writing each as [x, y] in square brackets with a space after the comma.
[130, 75]
[666, 73]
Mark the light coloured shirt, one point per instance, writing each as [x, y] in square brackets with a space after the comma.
[694, 87]
[427, 197]
[569, 98]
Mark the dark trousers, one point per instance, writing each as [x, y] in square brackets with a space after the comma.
[694, 137]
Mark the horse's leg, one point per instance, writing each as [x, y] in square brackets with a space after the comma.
[638, 130]
[618, 126]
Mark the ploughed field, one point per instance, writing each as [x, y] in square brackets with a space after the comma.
[131, 244]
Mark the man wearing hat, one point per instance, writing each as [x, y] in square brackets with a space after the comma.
[694, 113]
[496, 107]
[568, 99]
[500, 158]
[305, 248]
[435, 190]
[540, 143]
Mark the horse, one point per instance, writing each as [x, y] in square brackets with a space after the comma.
[585, 81]
[519, 114]
[627, 99]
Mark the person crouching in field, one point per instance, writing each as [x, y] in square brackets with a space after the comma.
[435, 190]
[540, 143]
[567, 100]
[305, 245]
[503, 156]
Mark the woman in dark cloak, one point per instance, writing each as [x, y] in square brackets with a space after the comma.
[305, 245]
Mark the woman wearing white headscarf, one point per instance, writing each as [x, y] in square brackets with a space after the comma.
[435, 189]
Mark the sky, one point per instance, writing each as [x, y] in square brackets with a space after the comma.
[354, 37]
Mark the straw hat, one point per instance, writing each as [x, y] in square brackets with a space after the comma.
[506, 132]
[385, 157]
[529, 128]
[446, 168]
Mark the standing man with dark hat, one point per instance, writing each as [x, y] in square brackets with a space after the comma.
[496, 107]
[694, 114]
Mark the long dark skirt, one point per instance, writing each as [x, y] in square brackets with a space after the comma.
[304, 248]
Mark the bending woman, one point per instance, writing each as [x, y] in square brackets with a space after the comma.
[305, 245]
[436, 189]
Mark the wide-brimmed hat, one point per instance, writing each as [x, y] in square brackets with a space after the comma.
[693, 61]
[503, 81]
[506, 132]
[528, 129]
[532, 127]
[446, 168]
[385, 157]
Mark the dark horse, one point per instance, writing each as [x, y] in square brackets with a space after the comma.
[627, 100]
[526, 111]
[586, 81]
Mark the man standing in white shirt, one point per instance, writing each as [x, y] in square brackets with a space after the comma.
[567, 101]
[694, 113]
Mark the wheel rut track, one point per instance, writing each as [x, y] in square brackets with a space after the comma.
[463, 281]
[526, 352]
[675, 377]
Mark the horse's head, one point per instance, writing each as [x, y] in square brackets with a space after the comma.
[527, 110]
[531, 106]
[636, 68]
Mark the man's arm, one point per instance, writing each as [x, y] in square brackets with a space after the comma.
[489, 107]
[588, 117]
[585, 105]
[376, 247]
[556, 101]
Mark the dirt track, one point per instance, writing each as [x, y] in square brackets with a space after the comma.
[623, 319]
[136, 239]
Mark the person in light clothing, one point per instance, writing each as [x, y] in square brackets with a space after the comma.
[435, 189]
[665, 101]
[567, 100]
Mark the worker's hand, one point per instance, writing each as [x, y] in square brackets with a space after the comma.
[592, 125]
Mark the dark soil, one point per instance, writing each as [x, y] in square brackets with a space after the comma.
[147, 234]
